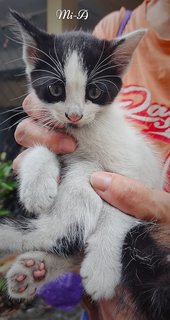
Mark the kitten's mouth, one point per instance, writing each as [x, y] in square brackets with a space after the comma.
[72, 125]
[61, 126]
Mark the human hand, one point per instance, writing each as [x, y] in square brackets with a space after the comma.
[132, 197]
[29, 133]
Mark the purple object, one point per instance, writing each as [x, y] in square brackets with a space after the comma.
[64, 292]
[124, 22]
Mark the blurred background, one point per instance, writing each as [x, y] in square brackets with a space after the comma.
[13, 89]
[43, 13]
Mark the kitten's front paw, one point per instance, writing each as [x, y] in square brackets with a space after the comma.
[98, 278]
[26, 275]
[38, 177]
[38, 196]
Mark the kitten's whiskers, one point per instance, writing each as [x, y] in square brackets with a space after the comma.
[47, 71]
[61, 68]
[42, 78]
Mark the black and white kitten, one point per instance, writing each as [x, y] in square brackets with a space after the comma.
[75, 79]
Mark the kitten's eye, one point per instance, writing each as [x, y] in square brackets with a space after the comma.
[94, 92]
[56, 90]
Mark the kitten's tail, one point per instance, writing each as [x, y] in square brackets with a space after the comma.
[146, 270]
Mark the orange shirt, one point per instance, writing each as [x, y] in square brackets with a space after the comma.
[146, 85]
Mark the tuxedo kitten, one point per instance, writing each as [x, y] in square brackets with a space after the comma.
[75, 78]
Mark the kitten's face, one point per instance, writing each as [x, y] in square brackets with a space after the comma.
[75, 75]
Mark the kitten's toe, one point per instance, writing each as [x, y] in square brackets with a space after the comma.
[25, 276]
[38, 267]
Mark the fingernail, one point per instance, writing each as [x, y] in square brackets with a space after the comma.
[19, 136]
[26, 102]
[101, 180]
[67, 145]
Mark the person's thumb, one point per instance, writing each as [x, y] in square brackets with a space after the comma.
[128, 195]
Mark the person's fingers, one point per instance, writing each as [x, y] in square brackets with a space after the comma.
[108, 309]
[90, 307]
[132, 197]
[17, 161]
[36, 109]
[30, 105]
[29, 133]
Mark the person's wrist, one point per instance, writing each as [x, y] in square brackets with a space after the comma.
[163, 206]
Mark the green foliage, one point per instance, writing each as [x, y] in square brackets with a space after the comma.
[2, 284]
[7, 184]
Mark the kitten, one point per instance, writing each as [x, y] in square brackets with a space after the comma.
[75, 79]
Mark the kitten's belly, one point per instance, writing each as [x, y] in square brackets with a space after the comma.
[147, 172]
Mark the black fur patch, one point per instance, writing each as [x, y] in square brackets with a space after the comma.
[71, 244]
[19, 223]
[146, 273]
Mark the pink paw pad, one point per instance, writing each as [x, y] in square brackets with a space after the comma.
[20, 277]
[22, 289]
[29, 263]
[39, 272]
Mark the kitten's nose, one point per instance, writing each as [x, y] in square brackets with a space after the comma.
[73, 117]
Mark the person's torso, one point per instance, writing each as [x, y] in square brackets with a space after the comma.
[145, 95]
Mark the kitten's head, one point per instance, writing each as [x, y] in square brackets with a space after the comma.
[75, 75]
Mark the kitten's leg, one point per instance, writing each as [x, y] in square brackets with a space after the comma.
[38, 180]
[24, 234]
[73, 218]
[101, 267]
[77, 204]
[32, 269]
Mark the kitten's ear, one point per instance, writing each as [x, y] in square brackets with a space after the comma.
[31, 39]
[124, 47]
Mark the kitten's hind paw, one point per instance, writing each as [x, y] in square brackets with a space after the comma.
[26, 274]
[99, 279]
